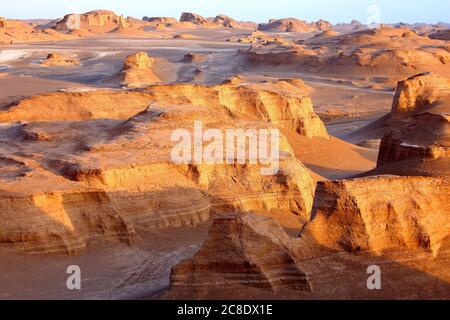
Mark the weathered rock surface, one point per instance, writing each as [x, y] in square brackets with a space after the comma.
[389, 52]
[381, 213]
[245, 250]
[441, 35]
[60, 60]
[420, 91]
[283, 104]
[118, 152]
[137, 71]
[287, 25]
[225, 21]
[194, 18]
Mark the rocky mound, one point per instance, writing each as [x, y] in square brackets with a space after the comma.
[441, 35]
[420, 147]
[160, 20]
[287, 25]
[12, 31]
[137, 71]
[241, 251]
[194, 18]
[225, 21]
[60, 60]
[98, 21]
[323, 25]
[258, 37]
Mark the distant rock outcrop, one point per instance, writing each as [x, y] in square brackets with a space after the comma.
[60, 60]
[160, 20]
[137, 71]
[225, 21]
[287, 25]
[323, 25]
[242, 250]
[194, 18]
[441, 35]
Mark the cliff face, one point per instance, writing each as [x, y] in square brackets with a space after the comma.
[425, 136]
[104, 173]
[419, 91]
[241, 251]
[265, 102]
[380, 213]
[282, 104]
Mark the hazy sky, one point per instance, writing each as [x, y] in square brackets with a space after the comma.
[255, 10]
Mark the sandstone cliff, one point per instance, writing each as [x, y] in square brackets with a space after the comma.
[420, 91]
[381, 213]
[284, 104]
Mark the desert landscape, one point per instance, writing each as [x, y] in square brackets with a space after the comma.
[89, 104]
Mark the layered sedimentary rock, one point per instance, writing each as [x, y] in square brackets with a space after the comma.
[287, 25]
[243, 250]
[286, 104]
[267, 102]
[137, 71]
[98, 21]
[381, 213]
[426, 92]
[420, 91]
[441, 35]
[225, 21]
[60, 60]
[160, 20]
[118, 153]
[426, 133]
[193, 18]
[388, 52]
[12, 31]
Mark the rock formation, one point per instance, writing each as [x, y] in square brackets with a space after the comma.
[194, 18]
[137, 71]
[323, 25]
[59, 60]
[381, 213]
[116, 175]
[441, 35]
[242, 250]
[284, 104]
[387, 52]
[287, 25]
[225, 21]
[160, 20]
[420, 91]
[426, 92]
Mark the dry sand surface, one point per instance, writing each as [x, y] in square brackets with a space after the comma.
[86, 117]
